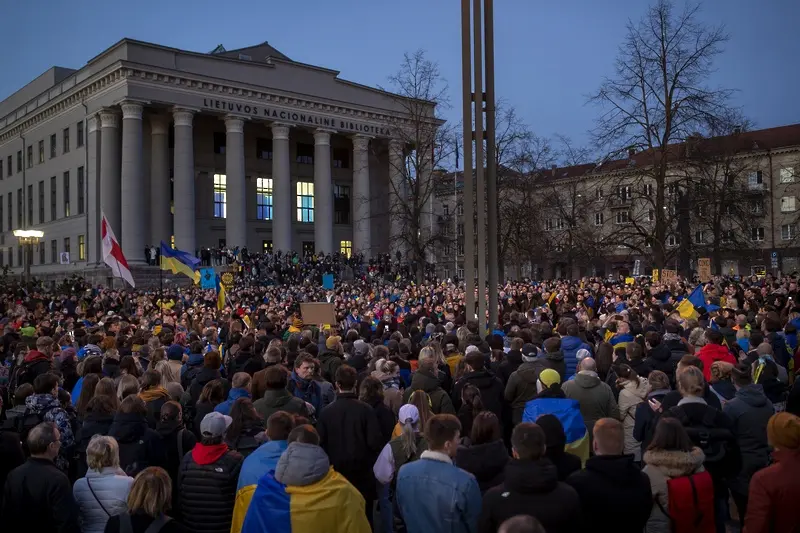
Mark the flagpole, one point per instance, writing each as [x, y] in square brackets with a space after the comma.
[161, 291]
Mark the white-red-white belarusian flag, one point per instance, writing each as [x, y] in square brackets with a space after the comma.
[112, 253]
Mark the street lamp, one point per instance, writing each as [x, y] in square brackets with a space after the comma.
[27, 238]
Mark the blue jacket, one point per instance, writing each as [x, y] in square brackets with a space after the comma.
[233, 395]
[262, 460]
[195, 360]
[433, 495]
[570, 347]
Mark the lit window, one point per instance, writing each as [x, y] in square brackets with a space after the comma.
[788, 204]
[172, 241]
[264, 198]
[219, 195]
[305, 201]
[81, 248]
[788, 175]
[267, 247]
[346, 248]
[757, 234]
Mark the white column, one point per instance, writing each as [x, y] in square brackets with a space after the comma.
[361, 197]
[282, 207]
[323, 192]
[396, 198]
[161, 227]
[183, 180]
[235, 209]
[134, 213]
[110, 199]
[92, 179]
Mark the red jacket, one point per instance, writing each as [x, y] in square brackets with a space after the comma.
[772, 506]
[714, 352]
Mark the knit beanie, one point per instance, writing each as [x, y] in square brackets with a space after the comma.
[783, 431]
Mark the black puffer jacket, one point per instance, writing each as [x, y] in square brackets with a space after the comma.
[491, 391]
[207, 488]
[663, 359]
[484, 461]
[511, 362]
[93, 424]
[139, 446]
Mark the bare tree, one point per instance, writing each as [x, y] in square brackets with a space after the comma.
[426, 144]
[658, 97]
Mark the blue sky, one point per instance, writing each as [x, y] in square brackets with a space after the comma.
[549, 55]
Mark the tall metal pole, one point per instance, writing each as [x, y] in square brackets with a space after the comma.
[467, 195]
[479, 162]
[491, 181]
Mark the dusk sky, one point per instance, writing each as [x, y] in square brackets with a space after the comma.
[549, 55]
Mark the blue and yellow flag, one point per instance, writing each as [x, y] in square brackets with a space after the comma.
[688, 306]
[568, 413]
[220, 294]
[178, 261]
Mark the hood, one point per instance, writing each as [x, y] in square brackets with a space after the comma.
[484, 461]
[483, 379]
[528, 372]
[423, 380]
[661, 353]
[206, 455]
[35, 356]
[276, 398]
[39, 402]
[302, 464]
[587, 380]
[675, 463]
[156, 393]
[531, 476]
[570, 344]
[195, 359]
[128, 427]
[638, 388]
[752, 395]
[327, 354]
[555, 356]
[617, 469]
[716, 352]
[235, 394]
[514, 357]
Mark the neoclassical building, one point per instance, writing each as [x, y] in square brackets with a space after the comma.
[228, 148]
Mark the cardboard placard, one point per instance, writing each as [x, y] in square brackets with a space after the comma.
[318, 313]
[704, 269]
[668, 276]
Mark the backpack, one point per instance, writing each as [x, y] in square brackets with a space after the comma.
[20, 375]
[691, 503]
[712, 440]
[189, 375]
[126, 526]
[22, 423]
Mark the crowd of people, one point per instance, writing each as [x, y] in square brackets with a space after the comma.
[579, 404]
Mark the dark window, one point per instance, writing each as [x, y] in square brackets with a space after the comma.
[19, 255]
[66, 194]
[341, 204]
[308, 248]
[341, 158]
[41, 253]
[54, 251]
[66, 140]
[41, 151]
[53, 205]
[305, 153]
[19, 160]
[9, 166]
[1, 219]
[52, 146]
[80, 191]
[30, 156]
[10, 214]
[1, 168]
[19, 208]
[66, 244]
[266, 247]
[263, 148]
[30, 205]
[79, 128]
[219, 142]
[41, 202]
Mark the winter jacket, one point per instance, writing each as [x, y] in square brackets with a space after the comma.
[11, 455]
[351, 436]
[93, 424]
[254, 467]
[661, 466]
[554, 360]
[233, 395]
[486, 462]
[710, 353]
[615, 495]
[190, 369]
[509, 365]
[642, 367]
[521, 388]
[647, 419]
[154, 400]
[170, 431]
[36, 364]
[203, 377]
[724, 390]
[631, 395]
[303, 475]
[392, 396]
[663, 359]
[250, 438]
[440, 401]
[570, 347]
[108, 496]
[273, 401]
[772, 506]
[139, 446]
[749, 410]
[491, 390]
[595, 398]
[386, 420]
[532, 488]
[49, 409]
[207, 488]
[672, 398]
[329, 363]
[38, 497]
[140, 522]
[307, 390]
[434, 495]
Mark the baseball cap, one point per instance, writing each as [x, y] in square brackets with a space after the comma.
[548, 377]
[214, 424]
[408, 412]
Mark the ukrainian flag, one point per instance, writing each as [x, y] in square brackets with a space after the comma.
[332, 504]
[179, 262]
[568, 413]
[688, 306]
[220, 294]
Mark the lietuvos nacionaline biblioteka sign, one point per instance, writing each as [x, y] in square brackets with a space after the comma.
[296, 117]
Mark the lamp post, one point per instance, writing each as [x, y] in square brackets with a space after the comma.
[27, 238]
